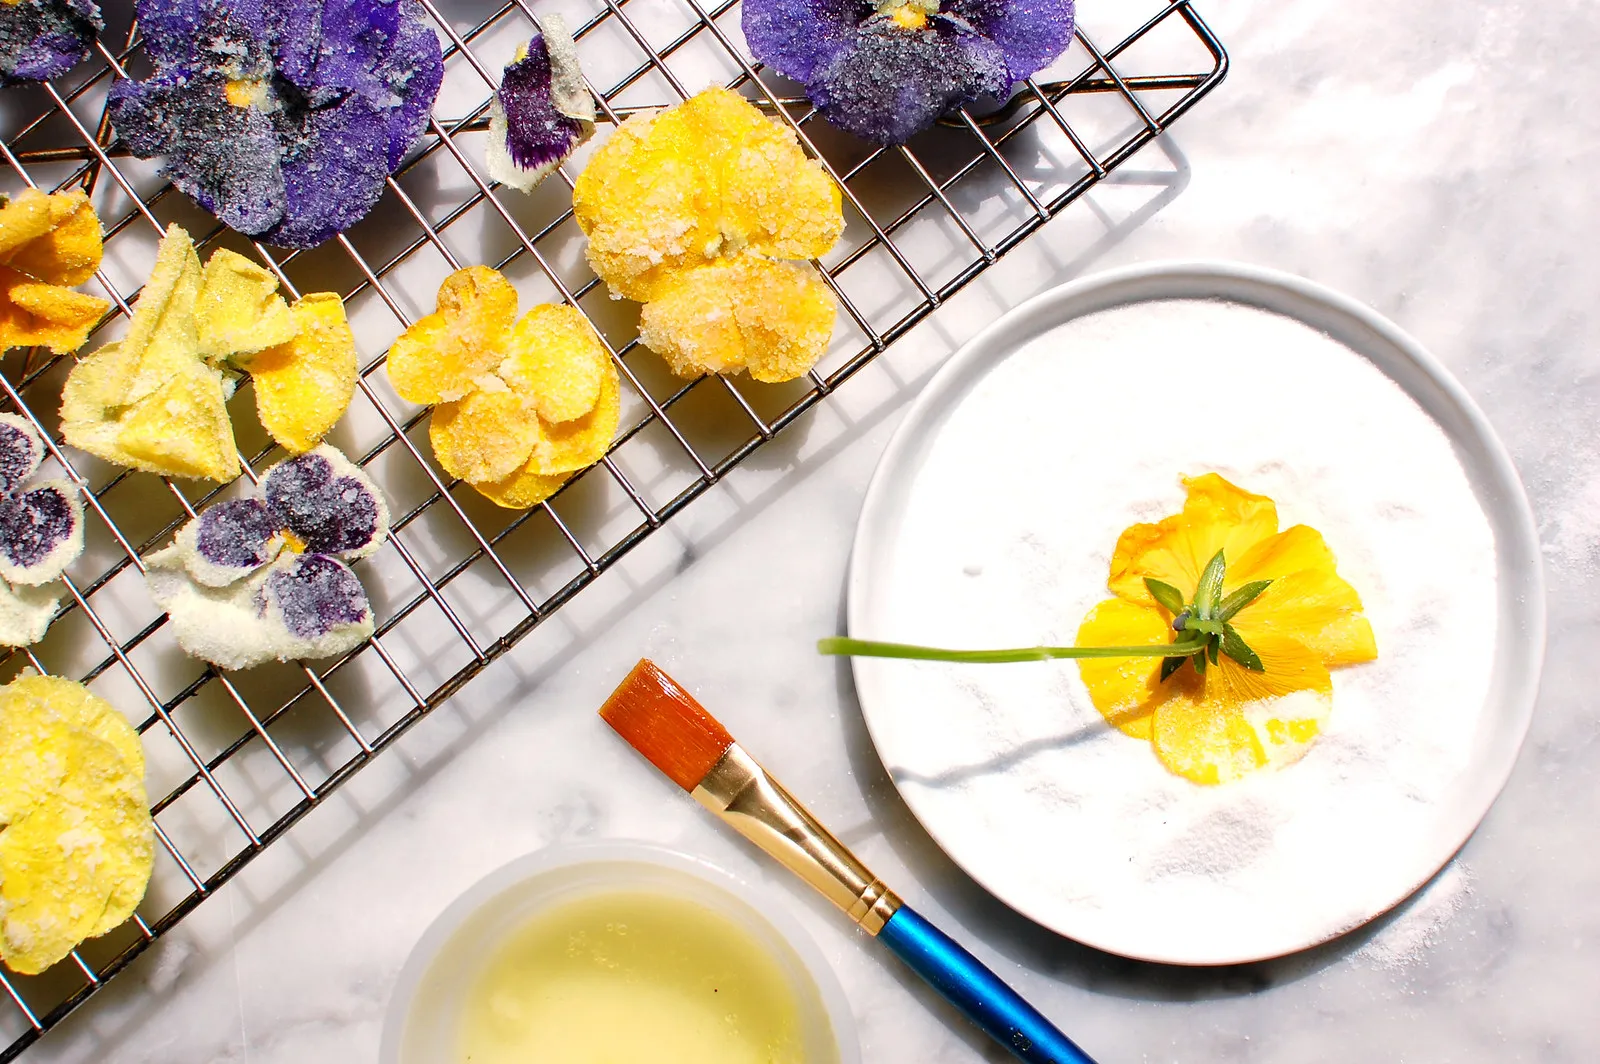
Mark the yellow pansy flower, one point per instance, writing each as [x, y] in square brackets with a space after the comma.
[695, 211]
[518, 405]
[157, 399]
[1231, 720]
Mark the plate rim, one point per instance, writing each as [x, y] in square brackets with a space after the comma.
[1520, 551]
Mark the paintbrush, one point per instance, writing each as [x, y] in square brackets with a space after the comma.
[663, 722]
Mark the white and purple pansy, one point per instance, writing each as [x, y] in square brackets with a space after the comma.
[267, 576]
[41, 533]
[542, 111]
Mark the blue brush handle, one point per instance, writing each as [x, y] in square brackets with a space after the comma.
[964, 982]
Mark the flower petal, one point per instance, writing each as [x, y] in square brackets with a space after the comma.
[556, 363]
[774, 319]
[441, 356]
[26, 613]
[42, 39]
[238, 310]
[54, 238]
[522, 489]
[21, 451]
[799, 37]
[41, 533]
[225, 158]
[329, 503]
[79, 845]
[1216, 516]
[303, 387]
[321, 603]
[46, 244]
[1307, 599]
[486, 436]
[230, 540]
[1237, 721]
[542, 111]
[895, 82]
[1126, 691]
[581, 442]
[1031, 33]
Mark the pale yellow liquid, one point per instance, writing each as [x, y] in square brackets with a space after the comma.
[631, 978]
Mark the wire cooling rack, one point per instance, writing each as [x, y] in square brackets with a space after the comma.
[235, 759]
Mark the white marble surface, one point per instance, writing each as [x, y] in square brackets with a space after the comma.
[1433, 159]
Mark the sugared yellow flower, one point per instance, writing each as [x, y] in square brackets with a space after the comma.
[1231, 720]
[518, 406]
[76, 839]
[693, 212]
[47, 245]
[157, 399]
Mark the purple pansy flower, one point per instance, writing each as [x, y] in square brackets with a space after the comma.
[266, 576]
[281, 117]
[886, 71]
[41, 533]
[42, 39]
[542, 111]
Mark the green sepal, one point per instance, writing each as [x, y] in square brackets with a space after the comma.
[1170, 666]
[1208, 627]
[1214, 648]
[1170, 598]
[1240, 598]
[1199, 662]
[1208, 593]
[1236, 648]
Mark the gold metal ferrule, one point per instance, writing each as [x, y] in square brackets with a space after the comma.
[755, 805]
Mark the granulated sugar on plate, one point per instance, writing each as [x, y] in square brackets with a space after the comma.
[1005, 539]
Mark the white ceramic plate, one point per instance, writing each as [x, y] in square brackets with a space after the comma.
[984, 780]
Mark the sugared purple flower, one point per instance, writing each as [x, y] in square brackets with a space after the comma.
[886, 71]
[542, 111]
[267, 576]
[284, 118]
[42, 39]
[41, 533]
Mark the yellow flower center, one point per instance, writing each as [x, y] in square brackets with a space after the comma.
[293, 543]
[908, 17]
[909, 14]
[242, 92]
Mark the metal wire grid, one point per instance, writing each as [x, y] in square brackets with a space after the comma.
[236, 759]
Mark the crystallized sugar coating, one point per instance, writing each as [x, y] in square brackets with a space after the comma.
[267, 576]
[442, 355]
[550, 405]
[304, 385]
[706, 178]
[542, 110]
[888, 71]
[42, 39]
[47, 244]
[685, 210]
[1055, 452]
[157, 400]
[283, 118]
[772, 318]
[41, 528]
[77, 844]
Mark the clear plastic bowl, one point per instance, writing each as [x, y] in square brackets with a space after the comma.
[422, 1023]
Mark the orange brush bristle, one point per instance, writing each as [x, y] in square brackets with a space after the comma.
[664, 723]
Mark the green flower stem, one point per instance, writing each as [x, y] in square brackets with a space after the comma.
[868, 648]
